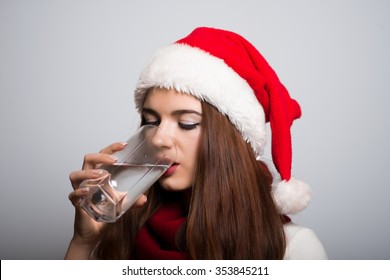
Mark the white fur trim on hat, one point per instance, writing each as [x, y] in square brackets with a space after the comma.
[196, 72]
[291, 196]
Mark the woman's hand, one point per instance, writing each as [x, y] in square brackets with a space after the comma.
[86, 230]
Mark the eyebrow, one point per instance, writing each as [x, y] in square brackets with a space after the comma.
[174, 113]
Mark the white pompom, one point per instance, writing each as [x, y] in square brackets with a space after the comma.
[291, 196]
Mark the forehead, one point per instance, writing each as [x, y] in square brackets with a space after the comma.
[169, 99]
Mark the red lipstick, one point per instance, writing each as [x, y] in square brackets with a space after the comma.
[171, 170]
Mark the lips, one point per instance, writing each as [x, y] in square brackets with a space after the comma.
[171, 170]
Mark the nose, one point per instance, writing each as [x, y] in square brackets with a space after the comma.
[164, 146]
[162, 139]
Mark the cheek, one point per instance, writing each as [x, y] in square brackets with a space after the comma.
[192, 150]
[188, 161]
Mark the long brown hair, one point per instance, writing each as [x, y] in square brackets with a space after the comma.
[231, 212]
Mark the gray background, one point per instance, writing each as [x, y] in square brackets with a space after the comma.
[68, 68]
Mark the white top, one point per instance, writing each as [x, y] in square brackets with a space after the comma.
[302, 244]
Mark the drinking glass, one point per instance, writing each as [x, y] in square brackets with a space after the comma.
[147, 155]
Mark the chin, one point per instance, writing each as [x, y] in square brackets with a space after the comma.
[169, 184]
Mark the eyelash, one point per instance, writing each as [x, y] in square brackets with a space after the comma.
[181, 125]
[156, 123]
[188, 126]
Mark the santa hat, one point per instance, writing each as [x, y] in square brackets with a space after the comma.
[225, 70]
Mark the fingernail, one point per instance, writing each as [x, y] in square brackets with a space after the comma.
[114, 157]
[124, 143]
[97, 171]
[84, 190]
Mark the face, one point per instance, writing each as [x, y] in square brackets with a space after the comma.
[180, 115]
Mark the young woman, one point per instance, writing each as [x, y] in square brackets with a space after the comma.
[213, 92]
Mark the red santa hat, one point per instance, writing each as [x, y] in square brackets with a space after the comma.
[225, 70]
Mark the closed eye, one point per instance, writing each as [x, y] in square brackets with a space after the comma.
[151, 117]
[153, 122]
[188, 126]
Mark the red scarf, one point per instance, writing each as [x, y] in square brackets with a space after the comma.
[156, 240]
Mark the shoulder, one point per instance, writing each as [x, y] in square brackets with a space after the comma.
[302, 244]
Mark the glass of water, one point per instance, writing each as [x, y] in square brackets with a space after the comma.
[147, 155]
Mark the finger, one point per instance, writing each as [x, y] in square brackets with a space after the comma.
[115, 147]
[92, 160]
[78, 176]
[76, 196]
[141, 201]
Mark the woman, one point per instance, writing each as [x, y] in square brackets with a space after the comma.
[214, 93]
